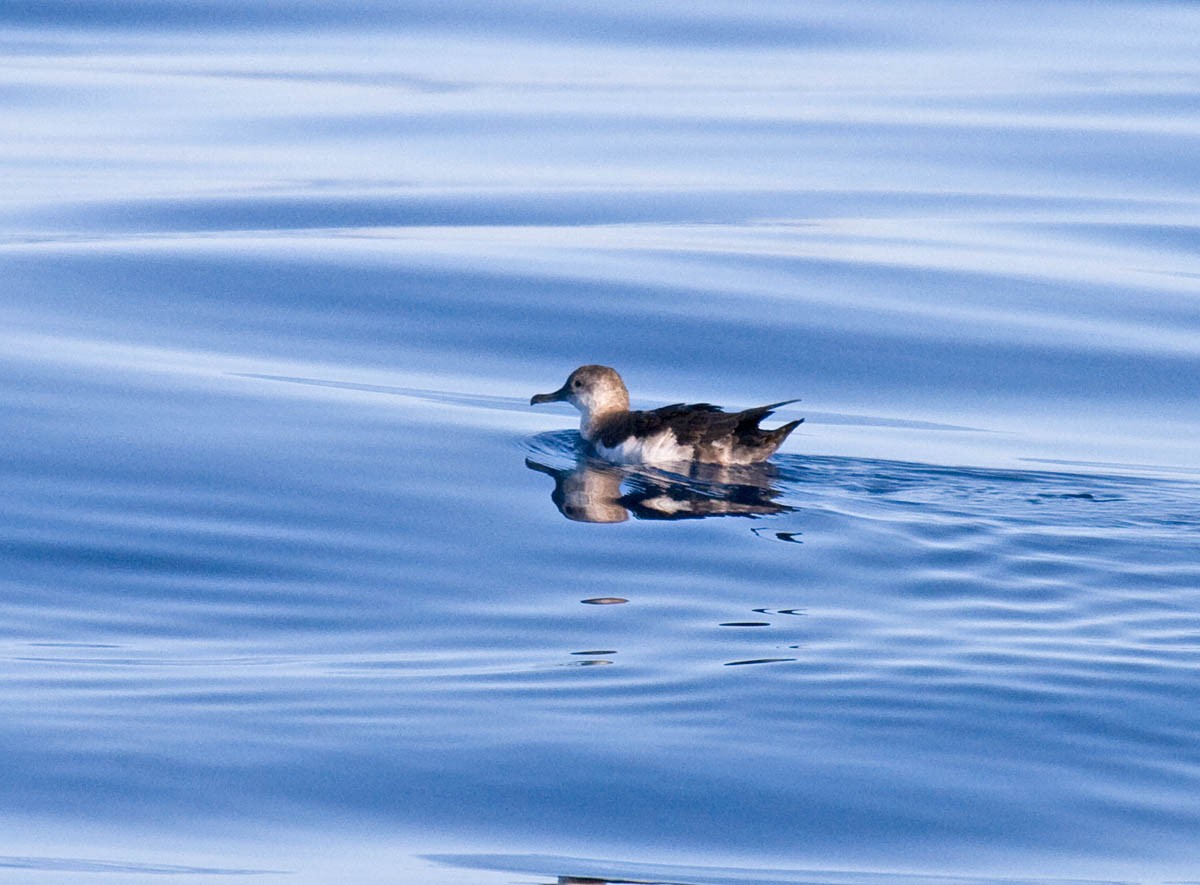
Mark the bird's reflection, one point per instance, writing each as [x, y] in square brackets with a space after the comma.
[597, 491]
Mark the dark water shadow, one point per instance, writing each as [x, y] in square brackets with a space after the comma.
[588, 489]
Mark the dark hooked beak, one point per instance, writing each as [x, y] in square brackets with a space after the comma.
[557, 397]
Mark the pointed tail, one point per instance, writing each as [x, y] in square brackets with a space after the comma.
[779, 434]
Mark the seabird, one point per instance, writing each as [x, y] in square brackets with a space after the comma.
[676, 433]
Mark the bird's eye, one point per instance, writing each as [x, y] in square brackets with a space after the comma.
[577, 383]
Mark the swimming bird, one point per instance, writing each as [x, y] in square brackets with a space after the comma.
[696, 432]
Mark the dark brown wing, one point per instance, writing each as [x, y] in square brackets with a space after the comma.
[683, 420]
[693, 424]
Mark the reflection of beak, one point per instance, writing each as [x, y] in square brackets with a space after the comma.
[557, 397]
[585, 493]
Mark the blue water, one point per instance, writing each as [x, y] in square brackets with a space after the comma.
[297, 587]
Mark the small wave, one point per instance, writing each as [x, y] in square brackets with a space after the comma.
[82, 865]
[790, 482]
[614, 872]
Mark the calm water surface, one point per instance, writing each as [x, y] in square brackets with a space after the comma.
[296, 587]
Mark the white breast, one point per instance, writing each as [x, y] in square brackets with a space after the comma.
[662, 448]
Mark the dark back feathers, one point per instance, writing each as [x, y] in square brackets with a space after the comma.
[697, 424]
